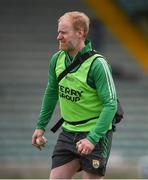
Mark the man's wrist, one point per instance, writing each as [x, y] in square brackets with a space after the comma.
[92, 140]
[40, 128]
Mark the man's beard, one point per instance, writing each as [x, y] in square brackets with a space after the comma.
[66, 46]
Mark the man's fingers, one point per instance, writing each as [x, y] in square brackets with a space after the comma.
[79, 148]
[37, 134]
[34, 139]
[85, 152]
[78, 143]
[82, 149]
[37, 146]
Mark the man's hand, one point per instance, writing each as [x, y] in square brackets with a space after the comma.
[38, 133]
[84, 146]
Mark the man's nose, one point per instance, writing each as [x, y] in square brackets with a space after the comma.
[59, 37]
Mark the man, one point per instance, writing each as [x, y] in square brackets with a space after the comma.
[87, 100]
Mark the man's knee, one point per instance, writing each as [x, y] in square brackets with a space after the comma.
[65, 171]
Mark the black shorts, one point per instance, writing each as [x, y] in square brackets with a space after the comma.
[65, 151]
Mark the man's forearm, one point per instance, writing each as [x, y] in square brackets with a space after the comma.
[48, 105]
[103, 123]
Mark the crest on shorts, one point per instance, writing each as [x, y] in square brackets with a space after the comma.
[95, 163]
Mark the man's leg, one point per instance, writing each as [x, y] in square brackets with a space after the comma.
[87, 175]
[65, 171]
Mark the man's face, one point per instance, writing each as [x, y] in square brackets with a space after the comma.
[67, 36]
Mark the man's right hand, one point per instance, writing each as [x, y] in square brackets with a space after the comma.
[38, 133]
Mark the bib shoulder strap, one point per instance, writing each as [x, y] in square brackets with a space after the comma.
[78, 61]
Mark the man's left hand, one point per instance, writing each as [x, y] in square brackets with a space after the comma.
[84, 146]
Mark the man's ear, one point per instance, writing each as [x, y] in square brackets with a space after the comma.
[80, 33]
